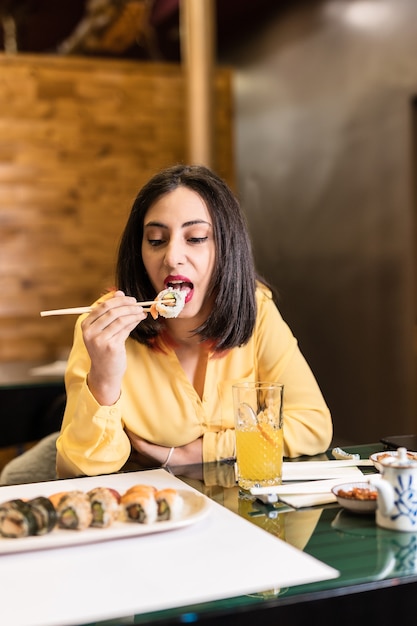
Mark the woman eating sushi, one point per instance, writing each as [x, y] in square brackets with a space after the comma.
[157, 386]
[162, 387]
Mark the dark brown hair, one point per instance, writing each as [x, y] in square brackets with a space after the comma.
[232, 319]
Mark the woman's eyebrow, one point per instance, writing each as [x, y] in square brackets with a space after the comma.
[185, 225]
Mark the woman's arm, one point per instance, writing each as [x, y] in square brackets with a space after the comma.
[92, 438]
[105, 331]
[150, 454]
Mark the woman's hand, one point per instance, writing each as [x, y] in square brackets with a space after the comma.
[105, 331]
[150, 454]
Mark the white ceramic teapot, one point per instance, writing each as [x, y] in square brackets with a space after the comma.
[397, 493]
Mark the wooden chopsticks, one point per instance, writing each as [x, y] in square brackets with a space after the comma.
[79, 310]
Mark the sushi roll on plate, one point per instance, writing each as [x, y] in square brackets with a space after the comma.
[45, 514]
[104, 506]
[138, 505]
[17, 519]
[73, 510]
[170, 504]
[23, 518]
[149, 489]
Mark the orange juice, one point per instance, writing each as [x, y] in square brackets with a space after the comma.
[259, 452]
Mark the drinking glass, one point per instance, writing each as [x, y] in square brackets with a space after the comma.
[258, 409]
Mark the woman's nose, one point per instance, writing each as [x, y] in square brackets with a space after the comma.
[174, 254]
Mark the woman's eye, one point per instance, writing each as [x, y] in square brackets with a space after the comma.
[197, 239]
[155, 243]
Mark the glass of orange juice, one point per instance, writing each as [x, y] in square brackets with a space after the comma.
[258, 409]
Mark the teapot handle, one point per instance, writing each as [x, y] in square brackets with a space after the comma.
[385, 494]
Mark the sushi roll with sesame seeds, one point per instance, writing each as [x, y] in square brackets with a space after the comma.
[104, 506]
[74, 510]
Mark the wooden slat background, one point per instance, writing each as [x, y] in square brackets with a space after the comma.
[78, 138]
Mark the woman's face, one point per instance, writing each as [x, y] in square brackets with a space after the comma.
[178, 248]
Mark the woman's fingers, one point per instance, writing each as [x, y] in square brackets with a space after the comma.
[116, 306]
[118, 315]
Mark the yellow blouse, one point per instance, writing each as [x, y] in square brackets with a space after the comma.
[159, 403]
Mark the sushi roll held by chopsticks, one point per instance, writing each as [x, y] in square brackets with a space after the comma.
[168, 303]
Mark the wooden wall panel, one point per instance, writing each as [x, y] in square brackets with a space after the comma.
[78, 138]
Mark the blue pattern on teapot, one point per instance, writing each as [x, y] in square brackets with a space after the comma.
[406, 502]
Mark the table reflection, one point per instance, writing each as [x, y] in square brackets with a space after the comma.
[218, 482]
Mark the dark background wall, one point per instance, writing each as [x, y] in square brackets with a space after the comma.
[325, 167]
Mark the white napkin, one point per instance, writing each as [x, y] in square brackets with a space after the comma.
[301, 501]
[320, 470]
[313, 491]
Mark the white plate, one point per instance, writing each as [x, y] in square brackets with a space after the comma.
[195, 508]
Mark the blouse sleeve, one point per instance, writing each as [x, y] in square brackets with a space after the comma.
[307, 421]
[218, 446]
[92, 440]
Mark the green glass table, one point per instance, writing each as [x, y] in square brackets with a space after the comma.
[378, 568]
